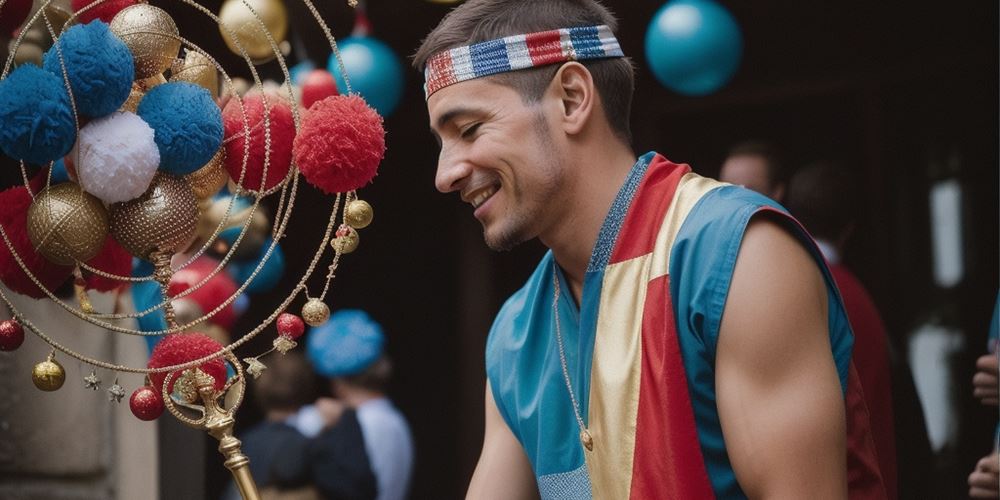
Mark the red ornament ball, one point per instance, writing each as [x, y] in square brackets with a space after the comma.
[11, 335]
[178, 348]
[112, 259]
[282, 134]
[105, 11]
[340, 144]
[290, 325]
[317, 85]
[14, 203]
[146, 403]
[12, 14]
[209, 295]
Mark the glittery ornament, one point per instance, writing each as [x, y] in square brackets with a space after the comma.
[164, 218]
[315, 312]
[116, 392]
[91, 381]
[11, 335]
[146, 403]
[48, 375]
[208, 180]
[235, 17]
[66, 224]
[254, 367]
[134, 96]
[347, 240]
[290, 325]
[284, 344]
[146, 31]
[358, 214]
[198, 69]
[179, 348]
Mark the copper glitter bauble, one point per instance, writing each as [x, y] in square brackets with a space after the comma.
[48, 375]
[164, 218]
[11, 335]
[315, 312]
[358, 214]
[241, 22]
[66, 224]
[199, 70]
[290, 325]
[347, 240]
[208, 180]
[149, 32]
[146, 403]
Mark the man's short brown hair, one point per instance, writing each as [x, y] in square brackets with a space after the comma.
[481, 20]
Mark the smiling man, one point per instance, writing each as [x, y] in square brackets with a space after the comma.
[682, 338]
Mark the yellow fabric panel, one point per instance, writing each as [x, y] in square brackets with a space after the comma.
[690, 189]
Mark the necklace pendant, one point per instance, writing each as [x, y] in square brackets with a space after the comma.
[587, 439]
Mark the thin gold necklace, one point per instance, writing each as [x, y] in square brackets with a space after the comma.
[585, 437]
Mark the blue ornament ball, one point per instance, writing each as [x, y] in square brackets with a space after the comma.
[187, 125]
[298, 72]
[98, 64]
[693, 47]
[348, 343]
[268, 276]
[59, 172]
[36, 119]
[374, 71]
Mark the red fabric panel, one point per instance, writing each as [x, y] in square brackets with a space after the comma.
[649, 205]
[667, 461]
[864, 481]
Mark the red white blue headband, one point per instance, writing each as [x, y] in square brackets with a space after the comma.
[518, 52]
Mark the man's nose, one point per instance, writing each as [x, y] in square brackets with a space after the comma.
[451, 172]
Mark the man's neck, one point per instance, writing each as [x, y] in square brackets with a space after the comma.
[599, 172]
[354, 397]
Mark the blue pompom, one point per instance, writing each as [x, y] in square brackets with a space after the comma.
[187, 122]
[99, 66]
[347, 344]
[268, 276]
[36, 120]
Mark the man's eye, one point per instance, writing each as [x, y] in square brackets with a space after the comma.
[468, 132]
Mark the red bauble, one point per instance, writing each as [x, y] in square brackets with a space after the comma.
[11, 335]
[290, 325]
[178, 348]
[14, 203]
[146, 403]
[282, 134]
[340, 144]
[318, 85]
[211, 294]
[105, 11]
[12, 14]
[112, 259]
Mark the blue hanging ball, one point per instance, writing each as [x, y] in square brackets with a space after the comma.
[98, 64]
[36, 119]
[59, 172]
[187, 125]
[693, 46]
[347, 344]
[268, 276]
[374, 71]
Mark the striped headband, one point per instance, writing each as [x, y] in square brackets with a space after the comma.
[518, 52]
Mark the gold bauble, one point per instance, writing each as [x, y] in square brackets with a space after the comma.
[150, 33]
[199, 70]
[315, 312]
[347, 243]
[66, 224]
[208, 180]
[27, 52]
[164, 218]
[358, 214]
[241, 22]
[48, 375]
[147, 84]
[134, 97]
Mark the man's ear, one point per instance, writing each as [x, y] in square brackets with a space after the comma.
[574, 87]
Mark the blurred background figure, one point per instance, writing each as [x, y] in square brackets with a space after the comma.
[365, 448]
[277, 451]
[757, 166]
[984, 481]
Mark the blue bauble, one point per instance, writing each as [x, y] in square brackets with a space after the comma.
[268, 276]
[36, 119]
[187, 123]
[693, 46]
[99, 66]
[59, 172]
[348, 343]
[374, 70]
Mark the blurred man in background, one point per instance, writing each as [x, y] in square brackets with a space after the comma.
[757, 166]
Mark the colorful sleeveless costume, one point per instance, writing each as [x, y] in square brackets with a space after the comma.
[641, 348]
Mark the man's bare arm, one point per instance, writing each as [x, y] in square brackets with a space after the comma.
[779, 396]
[503, 471]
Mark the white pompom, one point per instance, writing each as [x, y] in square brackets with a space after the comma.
[118, 157]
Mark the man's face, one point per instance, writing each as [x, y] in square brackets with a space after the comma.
[749, 171]
[498, 153]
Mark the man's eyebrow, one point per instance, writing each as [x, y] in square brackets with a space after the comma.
[451, 115]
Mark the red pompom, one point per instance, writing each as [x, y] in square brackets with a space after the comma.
[112, 259]
[282, 135]
[318, 84]
[178, 348]
[340, 144]
[11, 335]
[14, 204]
[12, 14]
[290, 325]
[146, 403]
[105, 11]
[210, 295]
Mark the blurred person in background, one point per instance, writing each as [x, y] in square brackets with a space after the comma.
[984, 481]
[756, 166]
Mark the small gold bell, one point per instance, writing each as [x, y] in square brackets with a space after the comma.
[48, 375]
[315, 312]
[358, 214]
[347, 240]
[587, 440]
